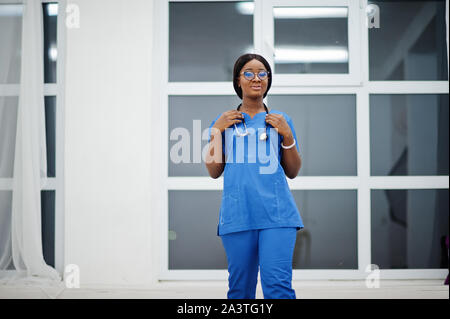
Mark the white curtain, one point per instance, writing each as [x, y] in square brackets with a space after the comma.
[10, 37]
[30, 164]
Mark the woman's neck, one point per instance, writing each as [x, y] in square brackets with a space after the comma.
[252, 106]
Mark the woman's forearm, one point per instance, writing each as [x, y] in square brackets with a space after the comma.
[215, 159]
[290, 158]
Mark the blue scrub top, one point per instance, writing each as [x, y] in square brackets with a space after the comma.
[255, 194]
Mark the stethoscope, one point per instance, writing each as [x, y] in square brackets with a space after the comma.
[263, 135]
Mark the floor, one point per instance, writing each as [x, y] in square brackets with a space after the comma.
[339, 289]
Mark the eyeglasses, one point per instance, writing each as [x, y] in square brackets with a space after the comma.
[262, 75]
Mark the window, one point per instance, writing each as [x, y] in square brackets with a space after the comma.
[313, 42]
[50, 41]
[202, 110]
[201, 33]
[409, 134]
[353, 121]
[11, 39]
[10, 67]
[410, 42]
[193, 242]
[407, 228]
[8, 125]
[320, 246]
[326, 124]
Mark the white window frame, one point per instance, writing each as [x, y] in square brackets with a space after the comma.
[51, 89]
[352, 78]
[363, 182]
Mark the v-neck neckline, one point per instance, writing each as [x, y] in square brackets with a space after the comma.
[251, 118]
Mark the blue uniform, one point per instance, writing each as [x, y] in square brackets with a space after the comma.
[271, 250]
[256, 194]
[258, 217]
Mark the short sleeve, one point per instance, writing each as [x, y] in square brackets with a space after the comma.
[223, 136]
[291, 125]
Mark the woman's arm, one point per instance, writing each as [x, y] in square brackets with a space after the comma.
[215, 159]
[290, 159]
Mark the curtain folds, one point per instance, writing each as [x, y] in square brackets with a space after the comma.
[10, 35]
[30, 163]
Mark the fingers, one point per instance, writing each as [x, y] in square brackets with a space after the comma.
[234, 117]
[233, 114]
[277, 121]
[272, 118]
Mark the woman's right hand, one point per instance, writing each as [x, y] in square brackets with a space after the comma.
[215, 161]
[227, 119]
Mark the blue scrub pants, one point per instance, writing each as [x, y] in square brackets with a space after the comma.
[269, 249]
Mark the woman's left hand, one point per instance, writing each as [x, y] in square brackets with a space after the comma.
[279, 122]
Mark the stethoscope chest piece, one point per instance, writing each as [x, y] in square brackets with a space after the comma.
[263, 136]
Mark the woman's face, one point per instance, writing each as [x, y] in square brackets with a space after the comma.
[253, 88]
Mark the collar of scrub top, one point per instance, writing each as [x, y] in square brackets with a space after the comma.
[263, 135]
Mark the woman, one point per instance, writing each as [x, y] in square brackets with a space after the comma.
[258, 219]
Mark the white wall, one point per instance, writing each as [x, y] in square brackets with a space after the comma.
[107, 143]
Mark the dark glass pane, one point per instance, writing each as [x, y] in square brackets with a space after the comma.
[407, 228]
[50, 18]
[5, 229]
[205, 39]
[48, 226]
[329, 239]
[10, 42]
[410, 43]
[311, 39]
[8, 121]
[409, 134]
[183, 111]
[50, 128]
[325, 126]
[193, 240]
[8, 127]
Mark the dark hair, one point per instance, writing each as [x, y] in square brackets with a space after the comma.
[239, 64]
